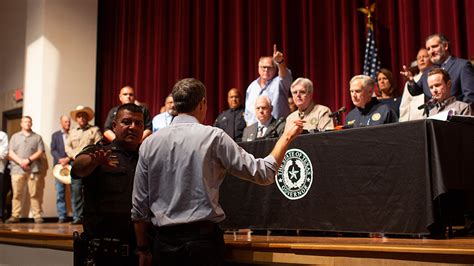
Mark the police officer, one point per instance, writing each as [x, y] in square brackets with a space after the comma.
[232, 120]
[107, 172]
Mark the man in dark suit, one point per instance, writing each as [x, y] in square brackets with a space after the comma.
[267, 126]
[460, 71]
[59, 156]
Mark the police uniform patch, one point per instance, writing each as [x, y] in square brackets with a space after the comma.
[376, 117]
[295, 176]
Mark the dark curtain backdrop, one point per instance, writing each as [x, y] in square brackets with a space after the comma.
[150, 44]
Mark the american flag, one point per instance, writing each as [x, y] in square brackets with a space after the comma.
[371, 63]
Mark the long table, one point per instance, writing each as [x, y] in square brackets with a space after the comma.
[375, 179]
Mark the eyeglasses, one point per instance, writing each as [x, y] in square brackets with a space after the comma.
[301, 92]
[423, 57]
[266, 67]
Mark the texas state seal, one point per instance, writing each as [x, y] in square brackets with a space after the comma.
[295, 176]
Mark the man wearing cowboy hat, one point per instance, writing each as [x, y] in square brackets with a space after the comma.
[80, 136]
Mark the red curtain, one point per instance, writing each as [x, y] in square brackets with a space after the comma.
[150, 44]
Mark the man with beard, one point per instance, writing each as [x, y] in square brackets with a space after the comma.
[460, 71]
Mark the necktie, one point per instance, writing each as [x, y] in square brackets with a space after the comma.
[260, 132]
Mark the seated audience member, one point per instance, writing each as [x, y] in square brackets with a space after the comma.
[368, 110]
[266, 126]
[232, 120]
[164, 119]
[126, 95]
[388, 90]
[274, 81]
[439, 83]
[315, 115]
[107, 172]
[291, 104]
[409, 104]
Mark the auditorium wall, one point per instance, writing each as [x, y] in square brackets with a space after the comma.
[52, 57]
[12, 59]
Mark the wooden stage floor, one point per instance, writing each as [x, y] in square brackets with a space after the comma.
[285, 250]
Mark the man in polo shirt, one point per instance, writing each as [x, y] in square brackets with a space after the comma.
[26, 150]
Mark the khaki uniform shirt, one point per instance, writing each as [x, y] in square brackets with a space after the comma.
[316, 117]
[79, 138]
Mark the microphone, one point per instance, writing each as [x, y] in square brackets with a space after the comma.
[338, 112]
[428, 104]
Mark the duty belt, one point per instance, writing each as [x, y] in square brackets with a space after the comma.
[108, 247]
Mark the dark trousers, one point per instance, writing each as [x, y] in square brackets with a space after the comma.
[5, 188]
[200, 243]
[104, 251]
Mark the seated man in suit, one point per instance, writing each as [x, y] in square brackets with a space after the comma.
[315, 115]
[440, 87]
[368, 110]
[267, 126]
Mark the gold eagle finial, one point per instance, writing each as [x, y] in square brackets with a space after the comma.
[368, 11]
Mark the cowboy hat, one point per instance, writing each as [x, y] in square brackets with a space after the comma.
[82, 109]
[62, 173]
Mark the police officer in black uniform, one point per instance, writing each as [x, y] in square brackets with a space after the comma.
[107, 171]
[232, 120]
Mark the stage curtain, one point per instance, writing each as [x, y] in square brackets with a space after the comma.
[150, 44]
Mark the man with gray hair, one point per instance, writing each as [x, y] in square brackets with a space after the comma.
[266, 126]
[315, 115]
[274, 81]
[368, 110]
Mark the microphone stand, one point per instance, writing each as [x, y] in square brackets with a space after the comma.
[426, 110]
[337, 118]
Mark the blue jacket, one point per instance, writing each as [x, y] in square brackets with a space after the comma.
[57, 146]
[462, 80]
